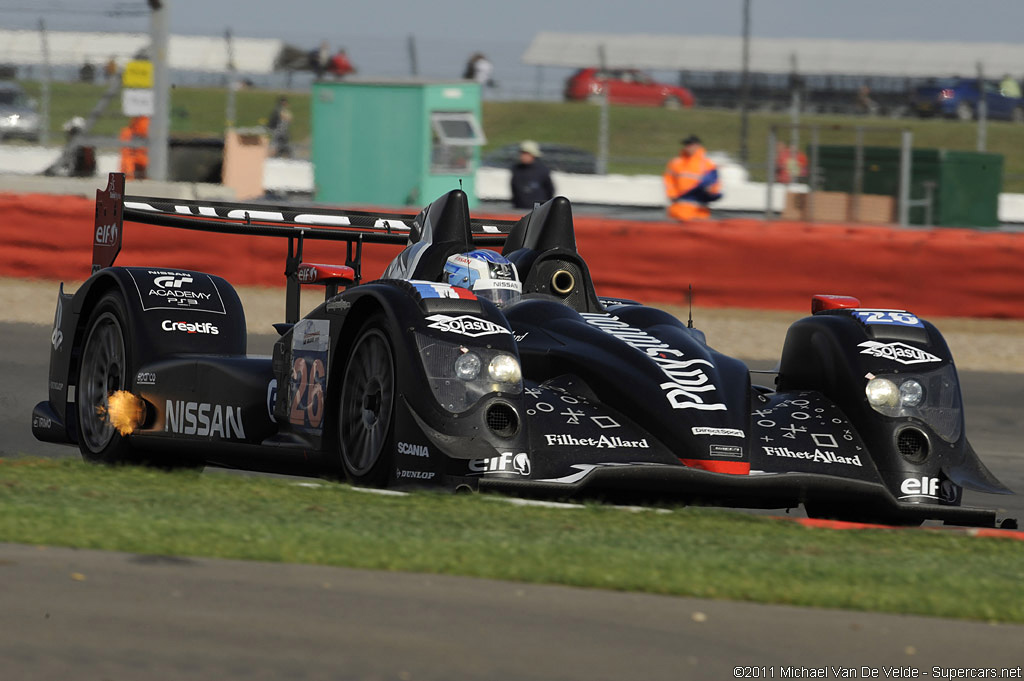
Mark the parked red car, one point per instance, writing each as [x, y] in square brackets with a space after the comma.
[626, 86]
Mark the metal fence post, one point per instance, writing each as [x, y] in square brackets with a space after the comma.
[159, 29]
[770, 180]
[858, 174]
[812, 180]
[602, 132]
[906, 142]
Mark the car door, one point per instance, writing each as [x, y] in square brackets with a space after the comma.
[626, 89]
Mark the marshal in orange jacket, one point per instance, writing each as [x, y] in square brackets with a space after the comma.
[691, 183]
[135, 160]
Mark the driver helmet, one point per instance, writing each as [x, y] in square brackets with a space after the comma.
[487, 274]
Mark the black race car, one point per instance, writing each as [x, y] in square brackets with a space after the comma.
[409, 381]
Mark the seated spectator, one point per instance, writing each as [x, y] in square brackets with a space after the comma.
[340, 65]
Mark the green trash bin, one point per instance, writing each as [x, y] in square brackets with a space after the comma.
[964, 185]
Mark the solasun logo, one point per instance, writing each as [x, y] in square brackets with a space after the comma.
[466, 325]
[897, 352]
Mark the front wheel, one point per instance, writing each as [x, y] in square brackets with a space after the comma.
[964, 111]
[366, 412]
[103, 370]
[672, 102]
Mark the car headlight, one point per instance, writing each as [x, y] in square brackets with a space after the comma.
[911, 393]
[882, 392]
[457, 374]
[467, 366]
[504, 369]
[933, 397]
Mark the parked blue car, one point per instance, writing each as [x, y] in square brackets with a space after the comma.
[959, 98]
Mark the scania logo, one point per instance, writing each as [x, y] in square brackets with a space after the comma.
[897, 352]
[466, 325]
[172, 281]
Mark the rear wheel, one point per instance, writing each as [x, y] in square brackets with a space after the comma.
[103, 369]
[1018, 115]
[964, 111]
[366, 412]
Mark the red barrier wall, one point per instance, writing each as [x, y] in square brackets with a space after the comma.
[731, 263]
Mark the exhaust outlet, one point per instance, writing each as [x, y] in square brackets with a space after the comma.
[563, 282]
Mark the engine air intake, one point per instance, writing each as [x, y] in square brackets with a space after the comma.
[912, 445]
[502, 419]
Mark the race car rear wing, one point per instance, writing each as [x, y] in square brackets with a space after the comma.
[296, 224]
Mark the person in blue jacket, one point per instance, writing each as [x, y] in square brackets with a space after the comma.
[531, 179]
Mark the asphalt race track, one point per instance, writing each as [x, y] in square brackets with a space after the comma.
[98, 615]
[91, 615]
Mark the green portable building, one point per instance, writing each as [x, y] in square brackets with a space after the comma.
[395, 143]
[964, 185]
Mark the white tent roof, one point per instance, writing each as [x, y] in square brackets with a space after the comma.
[774, 55]
[192, 53]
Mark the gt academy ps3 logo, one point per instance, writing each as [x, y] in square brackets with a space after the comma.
[172, 280]
[897, 352]
[169, 287]
[466, 325]
[506, 463]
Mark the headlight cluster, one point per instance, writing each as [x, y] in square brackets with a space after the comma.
[932, 397]
[883, 392]
[459, 377]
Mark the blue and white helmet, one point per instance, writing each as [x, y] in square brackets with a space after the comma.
[486, 273]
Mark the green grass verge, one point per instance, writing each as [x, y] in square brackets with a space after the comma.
[641, 140]
[687, 552]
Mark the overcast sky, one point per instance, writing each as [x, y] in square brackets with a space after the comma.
[309, 21]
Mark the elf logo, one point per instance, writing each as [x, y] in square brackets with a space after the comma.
[923, 487]
[506, 463]
[106, 235]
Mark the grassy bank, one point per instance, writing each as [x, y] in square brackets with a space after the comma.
[641, 140]
[686, 552]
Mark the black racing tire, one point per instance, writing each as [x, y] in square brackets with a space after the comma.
[366, 413]
[1018, 115]
[672, 102]
[104, 367]
[964, 111]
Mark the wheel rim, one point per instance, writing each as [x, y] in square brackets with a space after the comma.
[366, 401]
[103, 364]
